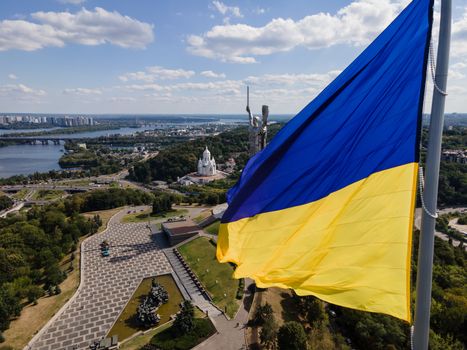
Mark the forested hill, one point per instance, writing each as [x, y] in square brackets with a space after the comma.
[181, 159]
[448, 308]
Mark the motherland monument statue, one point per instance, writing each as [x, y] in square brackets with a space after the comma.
[258, 129]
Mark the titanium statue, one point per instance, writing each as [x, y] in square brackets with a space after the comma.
[258, 130]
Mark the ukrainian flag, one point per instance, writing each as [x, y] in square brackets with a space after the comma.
[327, 207]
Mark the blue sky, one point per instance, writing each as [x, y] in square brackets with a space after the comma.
[148, 56]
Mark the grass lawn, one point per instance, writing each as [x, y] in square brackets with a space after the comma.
[34, 317]
[138, 342]
[128, 324]
[21, 194]
[143, 216]
[213, 229]
[105, 216]
[200, 254]
[47, 195]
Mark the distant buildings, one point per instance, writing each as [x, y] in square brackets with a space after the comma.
[65, 121]
[455, 156]
[72, 121]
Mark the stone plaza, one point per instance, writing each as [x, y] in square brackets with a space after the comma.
[107, 284]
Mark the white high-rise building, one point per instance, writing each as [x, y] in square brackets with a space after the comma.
[207, 164]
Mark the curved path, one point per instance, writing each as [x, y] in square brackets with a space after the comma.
[106, 285]
[443, 236]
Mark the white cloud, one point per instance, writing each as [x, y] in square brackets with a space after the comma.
[20, 88]
[269, 80]
[211, 74]
[157, 73]
[163, 73]
[121, 99]
[82, 91]
[12, 76]
[355, 24]
[259, 11]
[217, 86]
[21, 92]
[56, 29]
[72, 2]
[291, 90]
[143, 87]
[459, 36]
[226, 10]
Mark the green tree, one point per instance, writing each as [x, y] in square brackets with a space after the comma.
[314, 310]
[53, 275]
[33, 293]
[262, 314]
[268, 333]
[5, 202]
[291, 336]
[184, 321]
[9, 307]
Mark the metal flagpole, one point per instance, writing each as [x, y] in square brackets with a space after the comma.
[430, 193]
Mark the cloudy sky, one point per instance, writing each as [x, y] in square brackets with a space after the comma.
[158, 56]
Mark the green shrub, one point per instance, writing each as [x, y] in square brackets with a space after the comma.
[240, 290]
[166, 340]
[291, 336]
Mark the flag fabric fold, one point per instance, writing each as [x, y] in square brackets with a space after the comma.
[327, 207]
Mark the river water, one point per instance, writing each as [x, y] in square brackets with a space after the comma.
[28, 159]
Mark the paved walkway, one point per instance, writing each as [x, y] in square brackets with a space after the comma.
[231, 334]
[195, 294]
[106, 285]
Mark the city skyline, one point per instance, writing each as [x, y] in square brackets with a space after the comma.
[96, 56]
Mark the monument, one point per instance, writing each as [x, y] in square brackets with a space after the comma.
[258, 130]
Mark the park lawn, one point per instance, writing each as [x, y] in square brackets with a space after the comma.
[47, 195]
[74, 182]
[105, 216]
[34, 317]
[139, 341]
[213, 229]
[21, 194]
[144, 216]
[200, 254]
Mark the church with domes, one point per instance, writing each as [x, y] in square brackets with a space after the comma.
[207, 164]
[207, 171]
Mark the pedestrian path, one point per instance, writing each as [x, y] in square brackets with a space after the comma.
[199, 299]
[107, 283]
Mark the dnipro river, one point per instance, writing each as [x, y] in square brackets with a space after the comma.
[28, 159]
